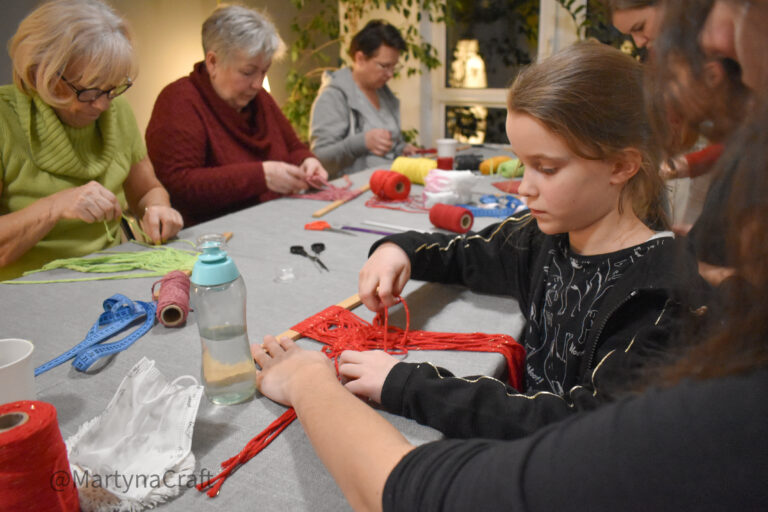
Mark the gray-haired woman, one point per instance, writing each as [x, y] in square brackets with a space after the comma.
[72, 155]
[218, 140]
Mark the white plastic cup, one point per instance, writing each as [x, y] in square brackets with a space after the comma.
[17, 377]
[446, 148]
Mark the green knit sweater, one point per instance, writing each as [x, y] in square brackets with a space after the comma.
[40, 155]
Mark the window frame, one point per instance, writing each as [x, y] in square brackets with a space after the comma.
[556, 30]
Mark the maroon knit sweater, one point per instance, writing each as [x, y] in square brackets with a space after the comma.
[208, 155]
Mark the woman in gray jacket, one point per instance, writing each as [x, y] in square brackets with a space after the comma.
[355, 121]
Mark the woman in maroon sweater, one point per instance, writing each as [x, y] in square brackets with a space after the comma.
[218, 141]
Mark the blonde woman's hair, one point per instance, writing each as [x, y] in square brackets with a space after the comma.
[591, 95]
[233, 28]
[62, 37]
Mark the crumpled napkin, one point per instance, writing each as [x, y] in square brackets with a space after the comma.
[137, 453]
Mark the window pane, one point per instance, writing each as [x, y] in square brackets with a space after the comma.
[488, 40]
[475, 124]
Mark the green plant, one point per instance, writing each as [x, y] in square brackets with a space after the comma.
[321, 34]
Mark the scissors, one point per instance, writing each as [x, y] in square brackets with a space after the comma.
[321, 225]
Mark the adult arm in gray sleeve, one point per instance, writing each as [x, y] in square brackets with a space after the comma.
[329, 135]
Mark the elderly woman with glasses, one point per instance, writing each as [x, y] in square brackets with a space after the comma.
[72, 157]
[355, 121]
[218, 140]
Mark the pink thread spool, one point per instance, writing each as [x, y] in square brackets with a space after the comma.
[172, 299]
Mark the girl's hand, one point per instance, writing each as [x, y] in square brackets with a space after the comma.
[287, 370]
[161, 223]
[366, 372]
[383, 277]
[90, 203]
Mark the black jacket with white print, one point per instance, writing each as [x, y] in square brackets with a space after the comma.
[592, 323]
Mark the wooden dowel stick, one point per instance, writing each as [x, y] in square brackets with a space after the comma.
[348, 303]
[336, 204]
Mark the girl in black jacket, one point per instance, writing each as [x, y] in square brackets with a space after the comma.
[601, 291]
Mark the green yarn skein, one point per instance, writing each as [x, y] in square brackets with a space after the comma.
[511, 168]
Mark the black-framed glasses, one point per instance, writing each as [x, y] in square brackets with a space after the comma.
[89, 95]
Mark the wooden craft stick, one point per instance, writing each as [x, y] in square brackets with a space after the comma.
[336, 204]
[348, 303]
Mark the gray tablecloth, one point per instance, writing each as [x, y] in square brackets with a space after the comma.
[287, 475]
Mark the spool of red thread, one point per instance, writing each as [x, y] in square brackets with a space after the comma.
[390, 185]
[172, 299]
[450, 217]
[34, 469]
[445, 163]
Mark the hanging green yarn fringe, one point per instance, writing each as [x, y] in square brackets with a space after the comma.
[157, 260]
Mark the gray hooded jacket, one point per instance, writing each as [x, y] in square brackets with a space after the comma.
[341, 114]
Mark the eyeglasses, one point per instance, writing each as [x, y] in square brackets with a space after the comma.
[90, 95]
[391, 68]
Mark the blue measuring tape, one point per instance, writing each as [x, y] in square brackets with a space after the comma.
[119, 312]
[496, 206]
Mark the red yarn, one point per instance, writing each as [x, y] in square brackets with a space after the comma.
[450, 217]
[328, 192]
[173, 298]
[340, 329]
[34, 470]
[445, 163]
[411, 204]
[390, 185]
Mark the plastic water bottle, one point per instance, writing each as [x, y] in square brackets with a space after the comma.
[218, 298]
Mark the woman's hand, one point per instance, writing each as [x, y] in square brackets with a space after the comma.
[313, 170]
[366, 372]
[383, 277]
[378, 141]
[284, 178]
[286, 369]
[409, 150]
[90, 203]
[161, 223]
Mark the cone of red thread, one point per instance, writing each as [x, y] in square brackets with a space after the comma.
[172, 298]
[34, 469]
[390, 185]
[450, 217]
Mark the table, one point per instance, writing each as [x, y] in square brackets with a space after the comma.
[287, 475]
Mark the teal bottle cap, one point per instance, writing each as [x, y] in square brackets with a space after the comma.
[213, 267]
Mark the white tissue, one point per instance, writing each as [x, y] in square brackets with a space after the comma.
[135, 453]
[449, 187]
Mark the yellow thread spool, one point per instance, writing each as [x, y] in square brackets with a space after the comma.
[415, 169]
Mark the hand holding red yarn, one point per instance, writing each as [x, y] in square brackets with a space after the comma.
[366, 372]
[313, 170]
[283, 178]
[383, 277]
